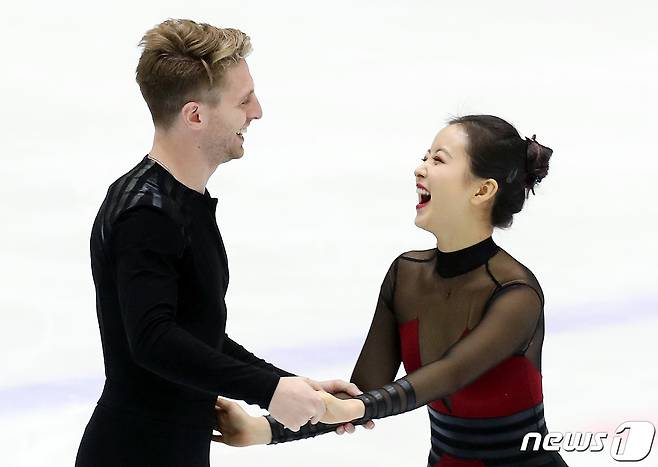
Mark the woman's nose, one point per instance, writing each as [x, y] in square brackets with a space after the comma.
[420, 171]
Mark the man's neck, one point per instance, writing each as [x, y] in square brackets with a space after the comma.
[185, 162]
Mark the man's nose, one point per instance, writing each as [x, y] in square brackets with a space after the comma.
[257, 110]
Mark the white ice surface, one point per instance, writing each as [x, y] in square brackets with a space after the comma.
[324, 198]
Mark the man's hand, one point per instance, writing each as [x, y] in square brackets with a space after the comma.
[350, 428]
[295, 402]
[336, 386]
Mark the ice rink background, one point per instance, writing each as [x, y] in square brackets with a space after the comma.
[323, 200]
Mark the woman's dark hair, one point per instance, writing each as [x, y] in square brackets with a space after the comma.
[497, 151]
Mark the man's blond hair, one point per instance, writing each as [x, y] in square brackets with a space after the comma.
[183, 61]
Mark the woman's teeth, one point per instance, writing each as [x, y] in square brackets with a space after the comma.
[423, 195]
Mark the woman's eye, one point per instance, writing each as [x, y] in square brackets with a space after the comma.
[424, 158]
[438, 159]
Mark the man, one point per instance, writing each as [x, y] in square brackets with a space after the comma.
[160, 268]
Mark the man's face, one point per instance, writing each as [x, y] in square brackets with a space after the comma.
[229, 119]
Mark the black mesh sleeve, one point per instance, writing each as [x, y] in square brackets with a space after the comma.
[507, 326]
[280, 434]
[509, 323]
[380, 356]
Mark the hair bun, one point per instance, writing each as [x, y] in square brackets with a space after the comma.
[536, 163]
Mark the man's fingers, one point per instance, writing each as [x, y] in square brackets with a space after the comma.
[314, 384]
[333, 385]
[345, 428]
[353, 390]
[350, 428]
[315, 419]
[338, 385]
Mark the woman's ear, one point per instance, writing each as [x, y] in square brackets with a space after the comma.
[486, 191]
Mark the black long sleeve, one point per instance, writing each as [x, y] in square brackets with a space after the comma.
[147, 245]
[235, 350]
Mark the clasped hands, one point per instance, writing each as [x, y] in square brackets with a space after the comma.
[296, 401]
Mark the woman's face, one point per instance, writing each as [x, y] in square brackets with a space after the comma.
[444, 182]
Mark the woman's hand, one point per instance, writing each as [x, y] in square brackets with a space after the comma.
[237, 427]
[341, 411]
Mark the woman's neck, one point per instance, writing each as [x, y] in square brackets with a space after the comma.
[460, 237]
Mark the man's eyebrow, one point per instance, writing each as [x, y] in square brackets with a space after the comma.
[251, 91]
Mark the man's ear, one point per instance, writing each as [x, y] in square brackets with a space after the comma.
[191, 114]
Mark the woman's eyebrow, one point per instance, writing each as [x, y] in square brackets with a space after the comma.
[443, 150]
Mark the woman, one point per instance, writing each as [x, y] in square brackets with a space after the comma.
[466, 318]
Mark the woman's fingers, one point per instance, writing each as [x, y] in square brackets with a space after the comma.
[326, 397]
[329, 399]
[221, 402]
[225, 404]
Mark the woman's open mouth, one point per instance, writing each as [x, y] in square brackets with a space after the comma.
[424, 196]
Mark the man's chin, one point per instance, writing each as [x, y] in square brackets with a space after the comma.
[236, 153]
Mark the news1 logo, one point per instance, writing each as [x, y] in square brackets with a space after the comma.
[636, 447]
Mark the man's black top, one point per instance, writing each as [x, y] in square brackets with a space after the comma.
[161, 274]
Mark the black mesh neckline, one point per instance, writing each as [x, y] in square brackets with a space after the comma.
[458, 262]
